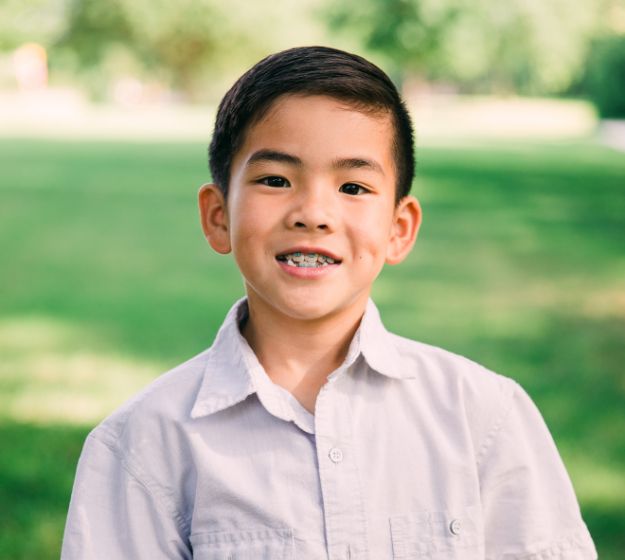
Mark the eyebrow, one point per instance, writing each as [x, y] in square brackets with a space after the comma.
[339, 163]
[358, 163]
[273, 155]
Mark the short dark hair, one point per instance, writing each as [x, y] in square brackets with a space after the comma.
[309, 71]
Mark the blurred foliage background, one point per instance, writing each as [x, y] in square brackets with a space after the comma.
[106, 109]
[534, 47]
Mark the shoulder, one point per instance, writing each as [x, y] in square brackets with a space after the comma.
[163, 404]
[471, 393]
[444, 370]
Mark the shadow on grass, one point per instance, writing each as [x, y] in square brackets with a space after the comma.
[607, 527]
[37, 467]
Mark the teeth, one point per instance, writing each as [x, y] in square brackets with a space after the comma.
[308, 260]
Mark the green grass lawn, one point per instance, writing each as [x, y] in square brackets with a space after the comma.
[106, 281]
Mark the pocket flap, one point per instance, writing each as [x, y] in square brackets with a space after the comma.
[437, 534]
[249, 544]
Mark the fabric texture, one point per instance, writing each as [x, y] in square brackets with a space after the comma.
[413, 453]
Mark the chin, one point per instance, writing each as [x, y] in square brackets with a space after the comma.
[305, 307]
[310, 311]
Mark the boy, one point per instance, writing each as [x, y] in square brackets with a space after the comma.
[307, 431]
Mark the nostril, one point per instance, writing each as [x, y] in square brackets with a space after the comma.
[303, 225]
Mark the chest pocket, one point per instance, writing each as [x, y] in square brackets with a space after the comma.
[438, 535]
[251, 544]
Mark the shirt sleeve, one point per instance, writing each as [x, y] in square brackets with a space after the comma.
[113, 513]
[530, 508]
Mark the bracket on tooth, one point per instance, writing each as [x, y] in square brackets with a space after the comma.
[308, 260]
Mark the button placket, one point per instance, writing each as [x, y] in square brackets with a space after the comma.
[343, 507]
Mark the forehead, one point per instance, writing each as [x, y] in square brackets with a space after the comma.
[317, 126]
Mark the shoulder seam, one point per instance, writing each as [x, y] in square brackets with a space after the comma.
[499, 420]
[159, 497]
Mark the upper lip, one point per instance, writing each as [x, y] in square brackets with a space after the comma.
[305, 250]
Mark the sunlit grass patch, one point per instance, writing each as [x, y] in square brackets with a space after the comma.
[597, 482]
[50, 374]
[609, 302]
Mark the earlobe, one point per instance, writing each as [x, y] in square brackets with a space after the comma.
[214, 217]
[406, 223]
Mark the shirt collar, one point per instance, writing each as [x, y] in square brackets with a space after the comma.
[380, 347]
[232, 371]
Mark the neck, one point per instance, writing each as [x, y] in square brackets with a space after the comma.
[299, 354]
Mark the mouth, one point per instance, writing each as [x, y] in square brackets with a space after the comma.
[307, 259]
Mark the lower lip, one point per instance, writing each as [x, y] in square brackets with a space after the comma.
[307, 272]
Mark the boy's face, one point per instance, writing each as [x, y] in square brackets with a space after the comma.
[313, 177]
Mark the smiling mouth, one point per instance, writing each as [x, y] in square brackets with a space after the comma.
[307, 260]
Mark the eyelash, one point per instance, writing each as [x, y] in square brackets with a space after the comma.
[266, 181]
[362, 190]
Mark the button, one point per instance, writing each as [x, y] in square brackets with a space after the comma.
[456, 526]
[336, 455]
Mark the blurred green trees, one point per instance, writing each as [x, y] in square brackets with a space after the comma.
[175, 41]
[23, 21]
[525, 46]
[184, 44]
[534, 47]
[605, 76]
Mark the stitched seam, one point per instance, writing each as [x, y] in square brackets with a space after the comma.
[360, 486]
[496, 427]
[160, 498]
[578, 540]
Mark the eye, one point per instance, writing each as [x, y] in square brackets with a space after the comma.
[352, 189]
[274, 181]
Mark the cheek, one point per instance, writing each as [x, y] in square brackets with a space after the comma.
[371, 241]
[251, 234]
[244, 222]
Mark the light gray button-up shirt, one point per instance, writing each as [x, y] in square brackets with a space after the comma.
[413, 452]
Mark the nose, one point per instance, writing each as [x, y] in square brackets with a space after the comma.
[313, 210]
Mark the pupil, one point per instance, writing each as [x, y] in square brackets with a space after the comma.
[275, 181]
[350, 188]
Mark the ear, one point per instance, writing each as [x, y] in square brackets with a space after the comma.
[406, 223]
[214, 217]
